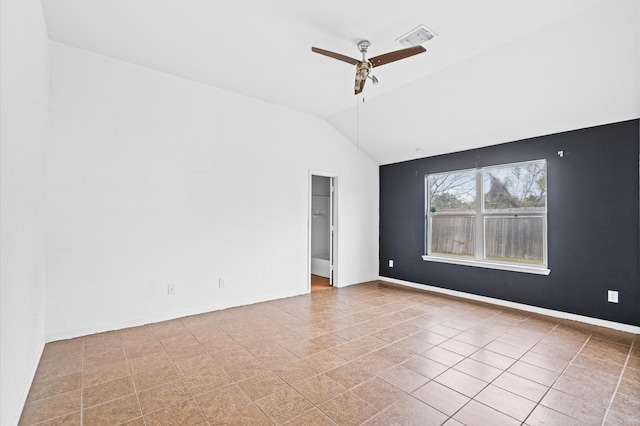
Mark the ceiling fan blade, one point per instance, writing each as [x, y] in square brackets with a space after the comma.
[337, 56]
[396, 55]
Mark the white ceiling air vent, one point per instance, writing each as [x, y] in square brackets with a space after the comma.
[417, 36]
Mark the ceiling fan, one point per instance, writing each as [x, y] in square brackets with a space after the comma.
[364, 67]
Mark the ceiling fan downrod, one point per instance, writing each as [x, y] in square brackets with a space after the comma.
[363, 71]
[363, 47]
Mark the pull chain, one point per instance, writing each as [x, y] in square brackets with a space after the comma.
[358, 125]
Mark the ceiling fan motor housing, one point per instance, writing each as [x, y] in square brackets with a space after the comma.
[362, 70]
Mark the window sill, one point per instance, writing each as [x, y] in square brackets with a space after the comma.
[489, 265]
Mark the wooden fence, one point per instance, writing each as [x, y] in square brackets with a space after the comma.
[506, 238]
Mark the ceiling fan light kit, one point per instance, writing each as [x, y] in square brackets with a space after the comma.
[364, 66]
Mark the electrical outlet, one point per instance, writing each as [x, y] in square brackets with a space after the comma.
[221, 283]
[612, 296]
[171, 289]
[390, 263]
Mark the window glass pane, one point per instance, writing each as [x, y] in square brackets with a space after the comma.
[514, 239]
[453, 192]
[515, 188]
[453, 235]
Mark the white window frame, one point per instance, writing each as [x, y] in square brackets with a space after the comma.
[480, 215]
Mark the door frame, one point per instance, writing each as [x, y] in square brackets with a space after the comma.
[333, 238]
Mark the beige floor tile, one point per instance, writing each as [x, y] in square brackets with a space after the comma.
[57, 368]
[458, 347]
[178, 353]
[221, 401]
[520, 386]
[245, 369]
[189, 366]
[505, 349]
[340, 356]
[412, 412]
[597, 364]
[262, 385]
[557, 365]
[493, 359]
[597, 393]
[104, 392]
[444, 330]
[50, 408]
[105, 373]
[381, 419]
[519, 341]
[49, 388]
[404, 378]
[476, 339]
[207, 381]
[443, 356]
[425, 366]
[319, 389]
[441, 398]
[543, 416]
[327, 340]
[140, 348]
[248, 415]
[398, 352]
[161, 396]
[627, 405]
[312, 417]
[573, 407]
[62, 347]
[348, 409]
[477, 414]
[461, 382]
[150, 361]
[284, 405]
[379, 393]
[183, 413]
[295, 371]
[430, 337]
[506, 402]
[537, 374]
[113, 412]
[619, 419]
[151, 378]
[350, 374]
[73, 419]
[629, 387]
[478, 369]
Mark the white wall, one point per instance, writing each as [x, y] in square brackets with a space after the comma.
[154, 179]
[23, 118]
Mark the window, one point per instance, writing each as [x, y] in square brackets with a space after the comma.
[494, 217]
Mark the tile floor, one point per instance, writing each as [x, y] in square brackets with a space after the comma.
[370, 354]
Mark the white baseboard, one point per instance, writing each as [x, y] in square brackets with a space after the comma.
[136, 322]
[528, 308]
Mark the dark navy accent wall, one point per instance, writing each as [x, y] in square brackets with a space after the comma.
[593, 223]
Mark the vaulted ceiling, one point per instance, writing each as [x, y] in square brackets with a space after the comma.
[499, 70]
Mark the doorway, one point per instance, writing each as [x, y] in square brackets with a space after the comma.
[322, 231]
